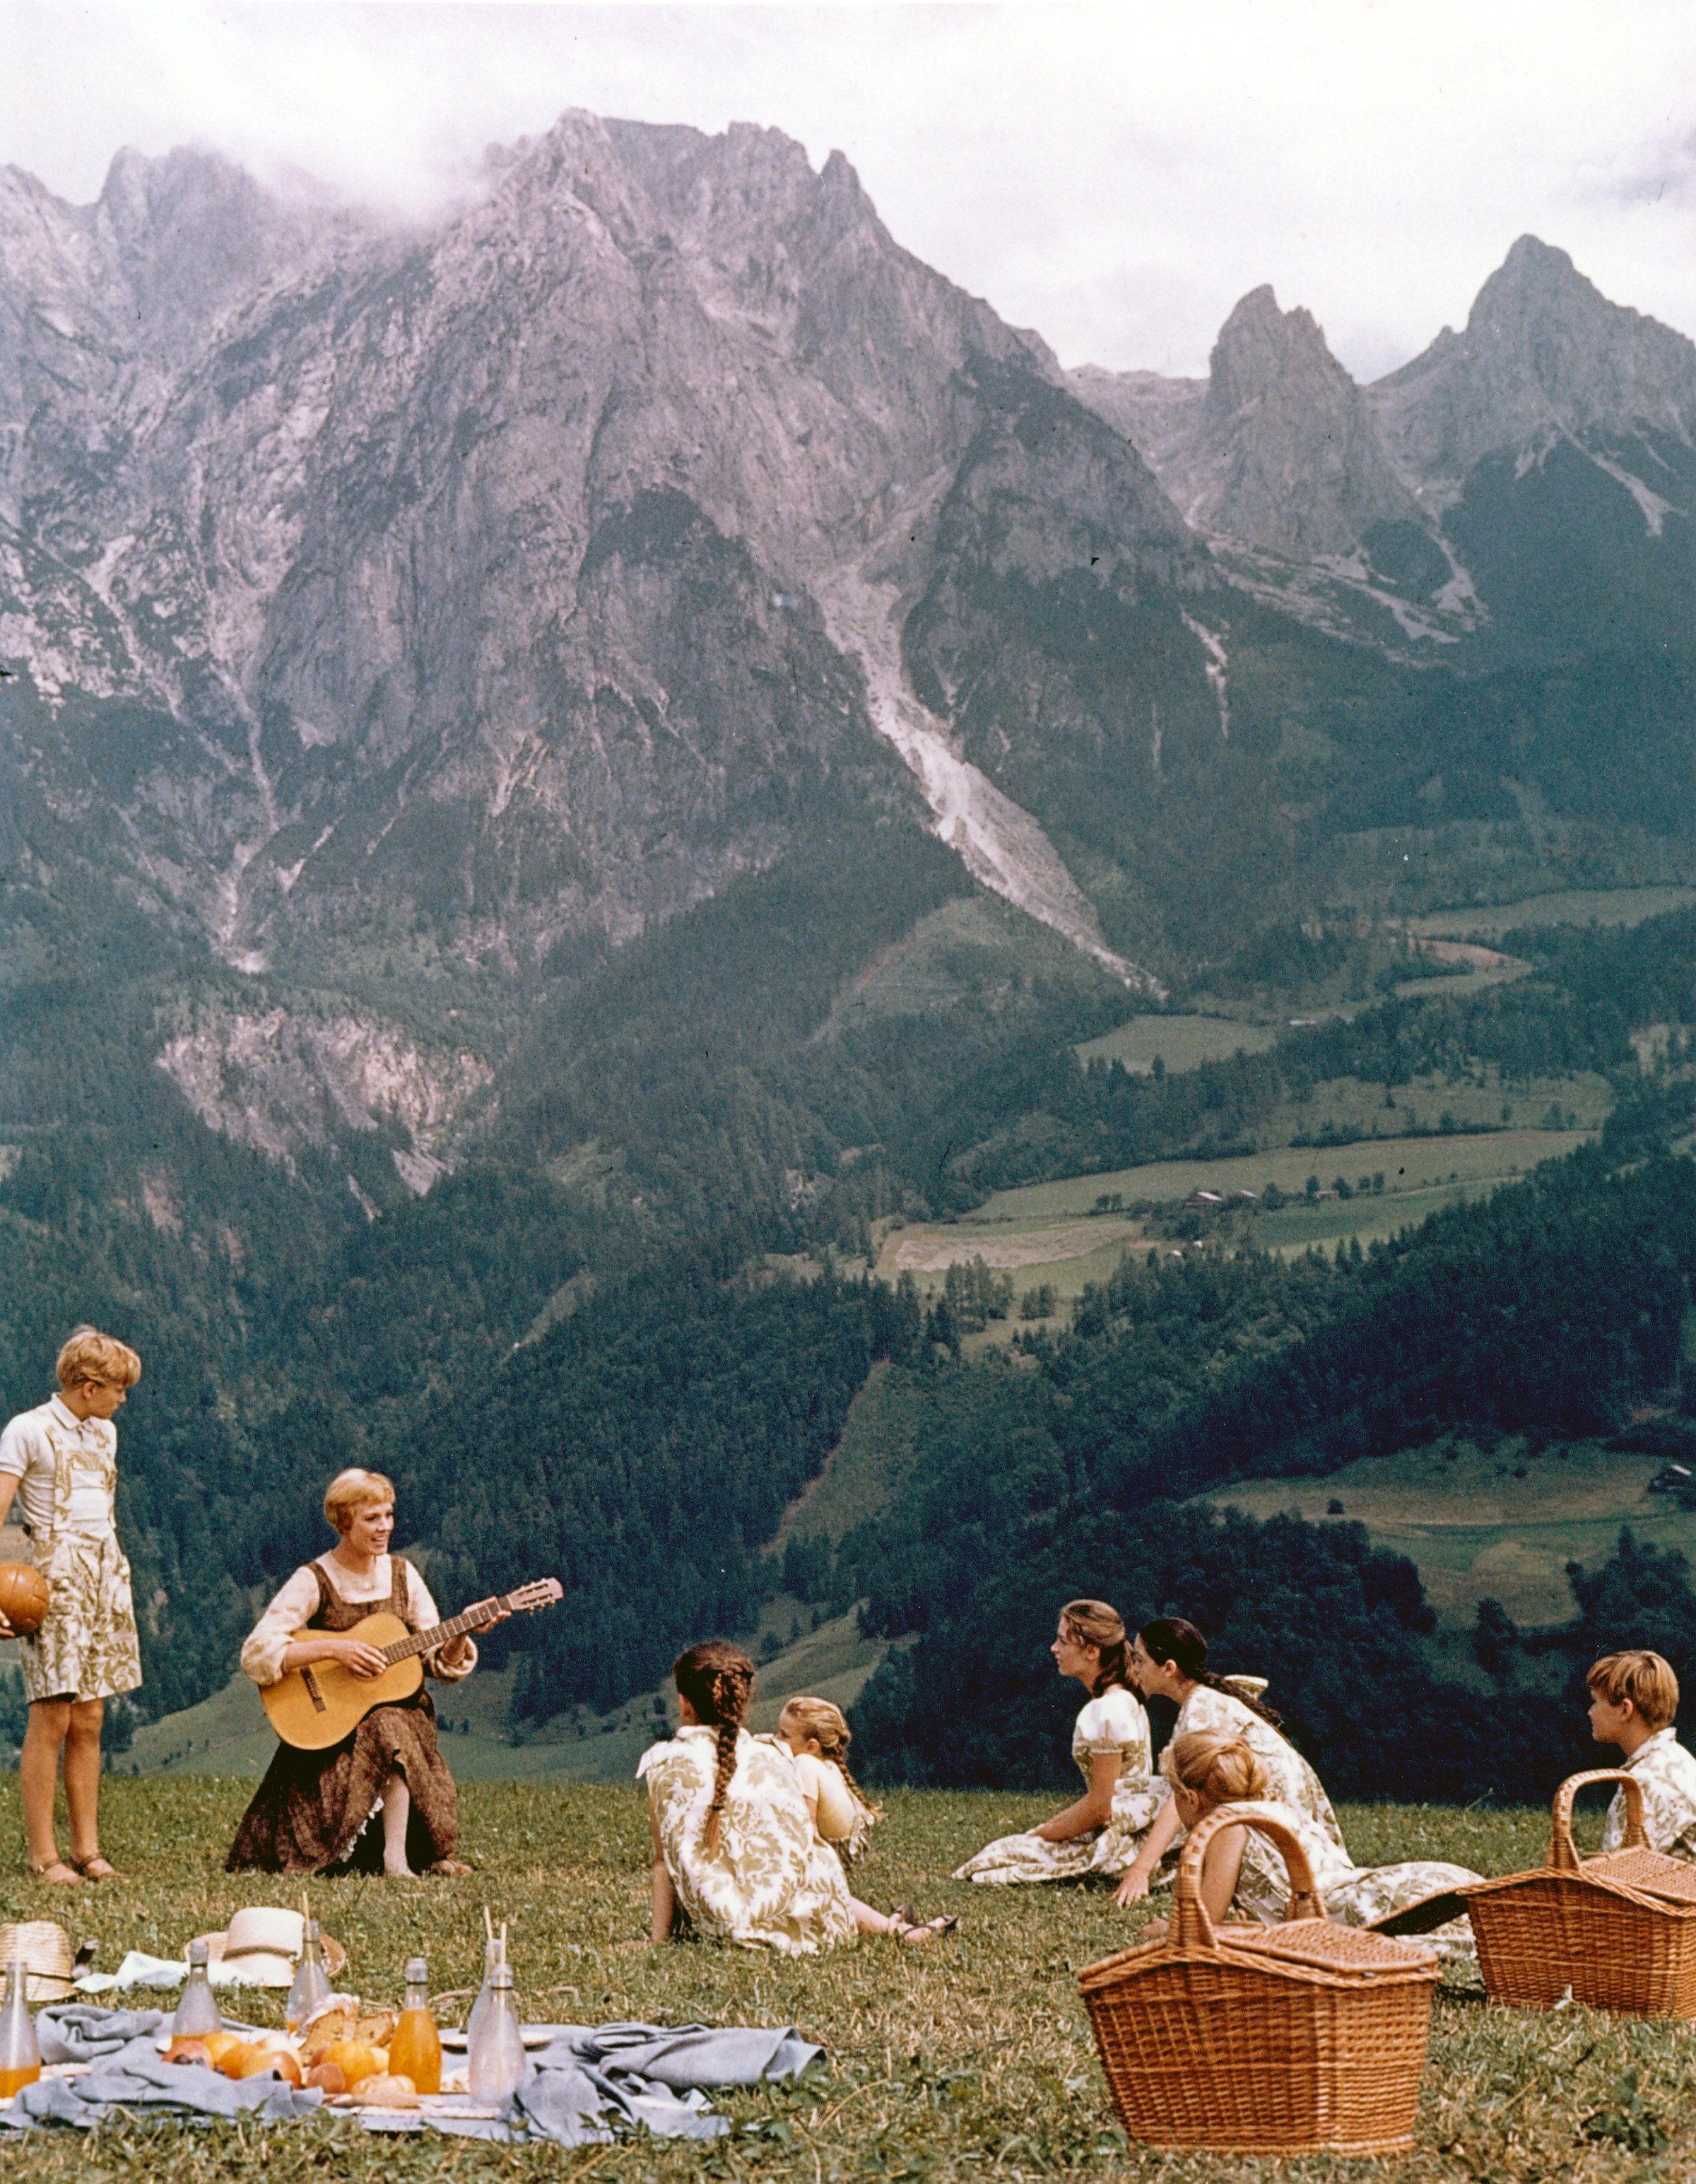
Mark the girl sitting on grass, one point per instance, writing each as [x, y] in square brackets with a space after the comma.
[1098, 1832]
[1170, 1659]
[1243, 1874]
[734, 1846]
[818, 1734]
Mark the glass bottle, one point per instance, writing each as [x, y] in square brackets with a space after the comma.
[198, 2013]
[311, 1987]
[495, 1952]
[20, 2058]
[415, 2047]
[495, 2059]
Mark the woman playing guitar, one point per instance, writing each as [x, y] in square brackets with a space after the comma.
[310, 1814]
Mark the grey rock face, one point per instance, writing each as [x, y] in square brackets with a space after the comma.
[1544, 355]
[1277, 449]
[479, 564]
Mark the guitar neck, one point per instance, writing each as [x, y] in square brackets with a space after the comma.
[440, 1634]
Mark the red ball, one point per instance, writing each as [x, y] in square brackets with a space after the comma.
[24, 1597]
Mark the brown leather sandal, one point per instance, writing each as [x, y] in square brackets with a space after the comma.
[97, 1866]
[57, 1872]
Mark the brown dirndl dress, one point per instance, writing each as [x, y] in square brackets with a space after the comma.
[308, 1814]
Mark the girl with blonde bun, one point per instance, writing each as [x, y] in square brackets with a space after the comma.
[1099, 1832]
[1244, 1877]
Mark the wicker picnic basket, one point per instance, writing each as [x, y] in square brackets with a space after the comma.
[1618, 1930]
[1264, 2039]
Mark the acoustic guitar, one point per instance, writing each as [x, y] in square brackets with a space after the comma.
[316, 1707]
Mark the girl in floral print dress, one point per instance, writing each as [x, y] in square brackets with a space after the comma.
[1169, 1658]
[1100, 1832]
[735, 1849]
[1243, 1874]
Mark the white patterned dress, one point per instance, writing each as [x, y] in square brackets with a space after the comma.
[1289, 1779]
[67, 1469]
[770, 1884]
[1354, 1895]
[1665, 1773]
[1114, 1723]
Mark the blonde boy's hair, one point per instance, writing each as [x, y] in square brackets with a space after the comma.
[1211, 1765]
[1644, 1679]
[350, 1491]
[89, 1355]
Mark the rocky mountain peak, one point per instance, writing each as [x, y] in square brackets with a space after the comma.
[1544, 355]
[1278, 451]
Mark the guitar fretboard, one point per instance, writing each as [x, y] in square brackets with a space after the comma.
[426, 1641]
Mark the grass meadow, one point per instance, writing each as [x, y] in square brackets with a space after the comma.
[968, 2060]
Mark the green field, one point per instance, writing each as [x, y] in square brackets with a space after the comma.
[972, 2059]
[1179, 1042]
[1597, 906]
[1408, 1164]
[1502, 1525]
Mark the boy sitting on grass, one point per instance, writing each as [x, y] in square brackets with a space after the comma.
[1634, 1698]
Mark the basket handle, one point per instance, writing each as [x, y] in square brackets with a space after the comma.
[1562, 1856]
[1191, 1928]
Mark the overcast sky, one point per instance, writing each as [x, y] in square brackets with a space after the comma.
[1115, 177]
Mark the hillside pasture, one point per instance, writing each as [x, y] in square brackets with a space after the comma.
[1615, 907]
[1177, 1042]
[1407, 1164]
[968, 2060]
[1500, 1523]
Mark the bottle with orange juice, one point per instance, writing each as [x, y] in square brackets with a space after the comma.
[414, 2046]
[20, 2057]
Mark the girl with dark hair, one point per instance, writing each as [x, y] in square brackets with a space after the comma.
[735, 1848]
[1100, 1832]
[1170, 1659]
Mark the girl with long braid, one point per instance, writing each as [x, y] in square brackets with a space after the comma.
[1098, 1832]
[1170, 1659]
[734, 1846]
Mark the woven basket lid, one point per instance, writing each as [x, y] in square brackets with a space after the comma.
[1325, 1945]
[1650, 1872]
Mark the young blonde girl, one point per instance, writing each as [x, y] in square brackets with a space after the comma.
[1243, 1874]
[818, 1734]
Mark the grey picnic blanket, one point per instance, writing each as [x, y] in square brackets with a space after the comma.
[586, 2083]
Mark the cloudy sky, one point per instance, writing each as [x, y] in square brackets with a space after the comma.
[1115, 176]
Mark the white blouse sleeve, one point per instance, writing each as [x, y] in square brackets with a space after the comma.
[270, 1637]
[1105, 1724]
[424, 1614]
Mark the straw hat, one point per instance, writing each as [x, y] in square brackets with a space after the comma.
[46, 1950]
[264, 1941]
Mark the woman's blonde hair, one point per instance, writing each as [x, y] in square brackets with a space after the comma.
[826, 1724]
[1218, 1769]
[350, 1491]
[1646, 1680]
[86, 1354]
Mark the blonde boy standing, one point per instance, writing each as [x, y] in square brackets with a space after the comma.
[1634, 1698]
[60, 1462]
